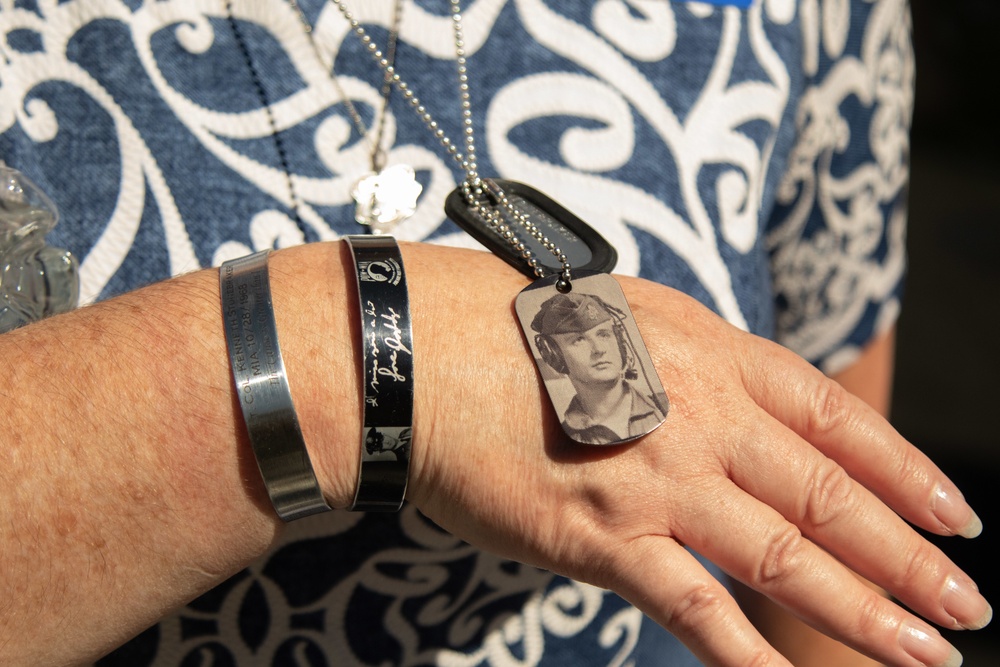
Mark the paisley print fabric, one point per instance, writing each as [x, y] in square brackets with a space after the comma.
[752, 154]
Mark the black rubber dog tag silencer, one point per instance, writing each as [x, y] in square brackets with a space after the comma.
[584, 248]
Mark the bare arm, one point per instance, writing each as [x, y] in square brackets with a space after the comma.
[127, 488]
[870, 377]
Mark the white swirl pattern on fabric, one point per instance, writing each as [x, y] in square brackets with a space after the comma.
[831, 277]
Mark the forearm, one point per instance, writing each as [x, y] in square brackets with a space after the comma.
[126, 478]
[127, 483]
[870, 377]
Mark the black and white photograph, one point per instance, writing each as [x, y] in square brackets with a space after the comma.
[386, 443]
[592, 360]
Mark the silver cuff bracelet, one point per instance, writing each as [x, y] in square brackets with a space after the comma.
[262, 387]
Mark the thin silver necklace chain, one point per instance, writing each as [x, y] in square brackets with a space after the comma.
[262, 94]
[377, 151]
[474, 188]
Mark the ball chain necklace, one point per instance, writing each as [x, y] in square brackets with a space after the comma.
[473, 188]
[579, 297]
[386, 195]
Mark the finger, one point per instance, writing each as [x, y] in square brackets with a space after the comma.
[844, 428]
[818, 496]
[766, 552]
[669, 585]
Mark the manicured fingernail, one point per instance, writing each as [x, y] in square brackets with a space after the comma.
[963, 602]
[950, 508]
[926, 645]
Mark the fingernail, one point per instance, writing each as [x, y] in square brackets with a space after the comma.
[963, 602]
[926, 645]
[950, 508]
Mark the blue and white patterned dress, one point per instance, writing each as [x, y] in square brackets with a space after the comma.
[753, 157]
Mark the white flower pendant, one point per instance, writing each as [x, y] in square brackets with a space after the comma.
[386, 198]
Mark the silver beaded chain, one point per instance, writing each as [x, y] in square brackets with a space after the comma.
[375, 140]
[476, 190]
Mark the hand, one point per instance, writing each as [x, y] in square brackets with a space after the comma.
[764, 466]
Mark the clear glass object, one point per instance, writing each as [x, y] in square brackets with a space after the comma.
[36, 280]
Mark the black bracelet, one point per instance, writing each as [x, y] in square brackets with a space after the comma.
[262, 387]
[387, 351]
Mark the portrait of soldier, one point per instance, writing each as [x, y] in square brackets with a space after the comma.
[583, 337]
[384, 444]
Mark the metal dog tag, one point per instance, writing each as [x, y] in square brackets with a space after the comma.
[592, 359]
[584, 248]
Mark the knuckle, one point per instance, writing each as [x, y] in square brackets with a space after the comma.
[908, 471]
[760, 658]
[782, 558]
[829, 408]
[921, 562]
[870, 616]
[830, 494]
[695, 610]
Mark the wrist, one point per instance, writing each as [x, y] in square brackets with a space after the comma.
[468, 353]
[317, 319]
[464, 333]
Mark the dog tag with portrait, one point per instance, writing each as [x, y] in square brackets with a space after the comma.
[584, 248]
[592, 359]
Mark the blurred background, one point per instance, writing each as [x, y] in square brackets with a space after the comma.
[947, 385]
